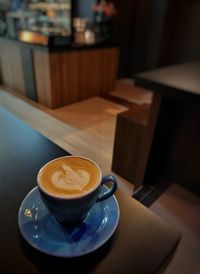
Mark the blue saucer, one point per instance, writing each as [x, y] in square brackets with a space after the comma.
[43, 232]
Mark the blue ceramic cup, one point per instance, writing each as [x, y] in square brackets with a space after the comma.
[70, 185]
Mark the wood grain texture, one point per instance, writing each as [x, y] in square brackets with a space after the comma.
[42, 77]
[133, 137]
[128, 141]
[110, 69]
[73, 76]
[11, 66]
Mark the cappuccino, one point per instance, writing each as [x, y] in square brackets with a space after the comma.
[69, 177]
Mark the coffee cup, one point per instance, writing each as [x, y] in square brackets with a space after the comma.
[69, 186]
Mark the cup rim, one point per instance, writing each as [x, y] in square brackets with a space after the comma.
[72, 197]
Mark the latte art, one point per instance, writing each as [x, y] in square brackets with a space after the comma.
[69, 176]
[69, 179]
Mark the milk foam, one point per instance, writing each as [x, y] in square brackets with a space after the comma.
[69, 179]
[69, 176]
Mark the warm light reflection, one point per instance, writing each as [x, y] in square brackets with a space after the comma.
[28, 213]
[31, 37]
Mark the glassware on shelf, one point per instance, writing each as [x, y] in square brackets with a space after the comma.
[48, 17]
[84, 31]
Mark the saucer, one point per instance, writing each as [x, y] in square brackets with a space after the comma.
[40, 229]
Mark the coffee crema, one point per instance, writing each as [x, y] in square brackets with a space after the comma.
[69, 176]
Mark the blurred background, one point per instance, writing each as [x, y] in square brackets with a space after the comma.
[149, 33]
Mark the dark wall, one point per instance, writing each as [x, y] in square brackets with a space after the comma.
[83, 8]
[191, 48]
[159, 9]
[138, 28]
[181, 39]
[144, 29]
[156, 33]
[124, 29]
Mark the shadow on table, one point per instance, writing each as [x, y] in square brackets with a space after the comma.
[48, 264]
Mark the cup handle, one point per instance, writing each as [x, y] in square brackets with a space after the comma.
[110, 191]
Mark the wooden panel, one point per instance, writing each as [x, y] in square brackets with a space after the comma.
[128, 142]
[70, 72]
[11, 66]
[64, 84]
[42, 77]
[91, 73]
[79, 75]
[67, 77]
[133, 139]
[110, 69]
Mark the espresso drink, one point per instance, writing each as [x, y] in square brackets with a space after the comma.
[69, 177]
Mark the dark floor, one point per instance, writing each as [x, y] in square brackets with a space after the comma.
[181, 209]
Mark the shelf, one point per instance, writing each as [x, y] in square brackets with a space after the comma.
[48, 6]
[54, 19]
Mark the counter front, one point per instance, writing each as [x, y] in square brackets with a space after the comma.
[58, 76]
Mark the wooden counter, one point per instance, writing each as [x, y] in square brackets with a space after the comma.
[57, 76]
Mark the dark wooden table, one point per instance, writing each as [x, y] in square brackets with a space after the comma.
[172, 143]
[142, 243]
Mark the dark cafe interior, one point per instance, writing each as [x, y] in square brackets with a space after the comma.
[99, 136]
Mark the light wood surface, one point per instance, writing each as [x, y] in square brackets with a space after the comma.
[63, 78]
[85, 128]
[135, 95]
[11, 67]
